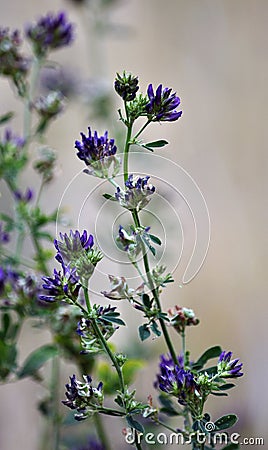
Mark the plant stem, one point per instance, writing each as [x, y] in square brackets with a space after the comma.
[55, 376]
[101, 432]
[141, 130]
[183, 347]
[39, 253]
[37, 64]
[126, 151]
[104, 343]
[155, 293]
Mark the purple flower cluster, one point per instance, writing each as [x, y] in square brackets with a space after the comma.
[78, 259]
[95, 148]
[162, 105]
[70, 247]
[50, 32]
[137, 194]
[174, 380]
[82, 395]
[12, 63]
[63, 286]
[228, 368]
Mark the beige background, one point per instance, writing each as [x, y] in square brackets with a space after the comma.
[214, 53]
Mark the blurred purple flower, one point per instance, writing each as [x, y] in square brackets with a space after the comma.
[50, 32]
[26, 198]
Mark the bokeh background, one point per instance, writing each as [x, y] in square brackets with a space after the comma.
[214, 54]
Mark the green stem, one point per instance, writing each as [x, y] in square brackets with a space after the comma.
[183, 347]
[104, 344]
[155, 293]
[101, 432]
[55, 377]
[37, 64]
[39, 253]
[126, 151]
[141, 130]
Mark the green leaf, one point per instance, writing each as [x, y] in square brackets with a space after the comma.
[225, 422]
[113, 319]
[134, 424]
[6, 117]
[157, 144]
[109, 197]
[167, 406]
[144, 332]
[146, 301]
[225, 387]
[155, 239]
[37, 359]
[155, 329]
[212, 352]
[219, 394]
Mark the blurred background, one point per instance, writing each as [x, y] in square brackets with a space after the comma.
[214, 54]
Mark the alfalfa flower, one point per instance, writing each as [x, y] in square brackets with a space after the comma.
[181, 317]
[64, 286]
[137, 195]
[82, 396]
[98, 153]
[162, 105]
[12, 63]
[228, 367]
[77, 252]
[50, 32]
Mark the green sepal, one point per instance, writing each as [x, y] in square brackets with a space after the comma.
[37, 359]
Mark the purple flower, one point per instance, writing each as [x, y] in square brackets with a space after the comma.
[137, 194]
[81, 395]
[98, 153]
[26, 198]
[64, 286]
[50, 32]
[12, 140]
[4, 236]
[95, 148]
[174, 380]
[228, 368]
[70, 247]
[162, 105]
[12, 63]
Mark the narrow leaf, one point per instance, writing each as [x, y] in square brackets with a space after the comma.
[109, 197]
[6, 117]
[155, 329]
[113, 319]
[157, 144]
[155, 239]
[146, 300]
[37, 359]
